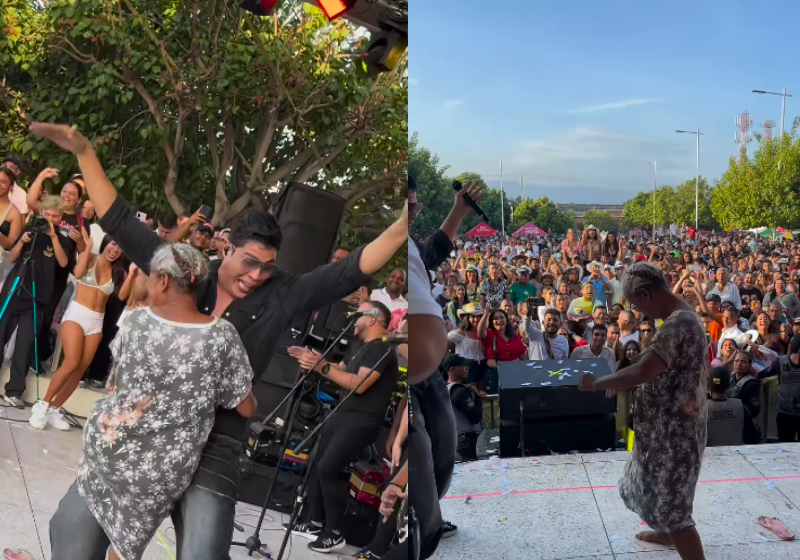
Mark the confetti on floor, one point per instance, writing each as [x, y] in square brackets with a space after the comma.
[769, 484]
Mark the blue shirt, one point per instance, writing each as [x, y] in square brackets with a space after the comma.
[599, 290]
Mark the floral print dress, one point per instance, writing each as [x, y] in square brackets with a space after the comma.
[142, 444]
[669, 421]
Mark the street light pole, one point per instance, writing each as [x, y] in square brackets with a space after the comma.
[783, 104]
[655, 186]
[696, 179]
[502, 206]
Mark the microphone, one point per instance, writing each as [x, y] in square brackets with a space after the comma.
[357, 314]
[457, 186]
[395, 340]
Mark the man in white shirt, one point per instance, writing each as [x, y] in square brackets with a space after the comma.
[17, 196]
[613, 276]
[547, 345]
[725, 289]
[596, 349]
[730, 329]
[392, 295]
[627, 327]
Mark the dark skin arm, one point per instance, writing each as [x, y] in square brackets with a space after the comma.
[643, 371]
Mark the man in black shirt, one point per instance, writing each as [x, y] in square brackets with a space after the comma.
[467, 406]
[749, 289]
[369, 369]
[259, 299]
[50, 254]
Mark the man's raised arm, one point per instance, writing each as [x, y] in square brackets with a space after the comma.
[136, 241]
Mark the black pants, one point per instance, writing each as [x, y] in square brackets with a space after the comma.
[342, 438]
[788, 427]
[432, 455]
[468, 446]
[19, 315]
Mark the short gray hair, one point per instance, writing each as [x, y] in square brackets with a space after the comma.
[184, 264]
[643, 276]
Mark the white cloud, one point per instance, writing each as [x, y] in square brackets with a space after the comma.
[451, 104]
[613, 106]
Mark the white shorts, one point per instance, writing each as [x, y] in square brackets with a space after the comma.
[90, 321]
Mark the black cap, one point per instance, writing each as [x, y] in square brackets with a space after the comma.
[455, 361]
[12, 159]
[720, 379]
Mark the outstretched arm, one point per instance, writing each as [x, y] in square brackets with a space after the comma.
[379, 251]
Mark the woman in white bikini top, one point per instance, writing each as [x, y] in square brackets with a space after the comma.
[98, 278]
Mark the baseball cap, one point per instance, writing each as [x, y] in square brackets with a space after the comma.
[455, 361]
[797, 321]
[619, 265]
[524, 269]
[720, 379]
[207, 228]
[12, 159]
[713, 297]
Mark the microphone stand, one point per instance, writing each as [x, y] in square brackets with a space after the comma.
[301, 492]
[253, 542]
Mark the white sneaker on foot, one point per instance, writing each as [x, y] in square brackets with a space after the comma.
[56, 419]
[38, 417]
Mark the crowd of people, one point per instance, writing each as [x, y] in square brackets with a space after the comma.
[641, 303]
[182, 318]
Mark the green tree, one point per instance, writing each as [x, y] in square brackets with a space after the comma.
[191, 102]
[672, 204]
[600, 219]
[638, 211]
[761, 190]
[545, 214]
[433, 188]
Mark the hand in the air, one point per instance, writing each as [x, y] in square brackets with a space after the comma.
[474, 189]
[63, 135]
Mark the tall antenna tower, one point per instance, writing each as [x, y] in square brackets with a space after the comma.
[768, 126]
[743, 122]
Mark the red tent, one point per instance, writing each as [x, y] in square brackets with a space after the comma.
[530, 230]
[481, 230]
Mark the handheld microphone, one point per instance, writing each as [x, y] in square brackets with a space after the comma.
[457, 186]
[395, 340]
[357, 314]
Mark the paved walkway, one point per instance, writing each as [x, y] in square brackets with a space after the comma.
[37, 468]
[568, 507]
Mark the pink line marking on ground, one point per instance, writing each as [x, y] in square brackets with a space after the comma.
[576, 488]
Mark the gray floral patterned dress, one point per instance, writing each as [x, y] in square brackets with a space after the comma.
[142, 444]
[669, 421]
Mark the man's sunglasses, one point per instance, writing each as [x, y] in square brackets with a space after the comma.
[251, 265]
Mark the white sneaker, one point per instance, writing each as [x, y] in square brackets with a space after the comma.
[38, 417]
[56, 419]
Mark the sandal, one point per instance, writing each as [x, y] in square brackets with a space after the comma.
[9, 554]
[776, 526]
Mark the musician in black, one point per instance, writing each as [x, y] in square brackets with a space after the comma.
[372, 367]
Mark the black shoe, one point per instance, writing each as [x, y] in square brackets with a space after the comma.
[448, 529]
[328, 541]
[307, 530]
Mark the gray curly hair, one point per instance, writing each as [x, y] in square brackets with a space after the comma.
[184, 264]
[643, 276]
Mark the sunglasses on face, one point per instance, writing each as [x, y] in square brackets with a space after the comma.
[252, 265]
[647, 330]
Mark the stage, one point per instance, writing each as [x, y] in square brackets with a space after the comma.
[568, 507]
[37, 468]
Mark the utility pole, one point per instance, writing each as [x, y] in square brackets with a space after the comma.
[502, 203]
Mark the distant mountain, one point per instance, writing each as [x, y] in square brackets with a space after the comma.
[588, 197]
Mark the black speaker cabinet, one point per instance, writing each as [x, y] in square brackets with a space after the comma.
[549, 389]
[561, 435]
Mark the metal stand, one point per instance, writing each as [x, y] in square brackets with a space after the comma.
[253, 543]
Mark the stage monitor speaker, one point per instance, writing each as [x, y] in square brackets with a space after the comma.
[549, 389]
[559, 435]
[310, 219]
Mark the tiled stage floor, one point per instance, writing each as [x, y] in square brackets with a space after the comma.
[37, 468]
[568, 507]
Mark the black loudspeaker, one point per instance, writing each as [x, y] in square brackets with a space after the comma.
[549, 389]
[541, 409]
[561, 435]
[310, 219]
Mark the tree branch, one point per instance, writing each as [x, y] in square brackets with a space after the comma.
[266, 134]
[173, 154]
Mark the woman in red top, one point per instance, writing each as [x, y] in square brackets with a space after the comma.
[501, 342]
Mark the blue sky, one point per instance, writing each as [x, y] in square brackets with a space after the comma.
[585, 93]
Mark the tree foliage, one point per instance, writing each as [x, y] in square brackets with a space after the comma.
[762, 189]
[672, 204]
[543, 213]
[198, 101]
[601, 219]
